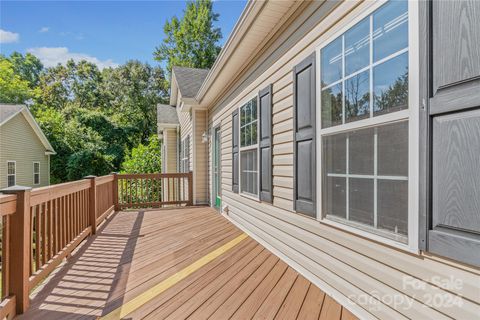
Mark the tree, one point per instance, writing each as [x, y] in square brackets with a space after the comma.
[28, 67]
[144, 158]
[191, 41]
[13, 89]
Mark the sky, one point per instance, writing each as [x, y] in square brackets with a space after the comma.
[107, 33]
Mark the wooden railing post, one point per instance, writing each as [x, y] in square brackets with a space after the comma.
[115, 191]
[92, 210]
[190, 189]
[20, 247]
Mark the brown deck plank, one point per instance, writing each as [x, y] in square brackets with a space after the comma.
[135, 250]
[294, 300]
[274, 300]
[255, 300]
[312, 305]
[331, 310]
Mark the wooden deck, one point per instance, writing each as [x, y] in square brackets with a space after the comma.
[136, 251]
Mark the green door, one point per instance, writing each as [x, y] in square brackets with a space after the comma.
[216, 168]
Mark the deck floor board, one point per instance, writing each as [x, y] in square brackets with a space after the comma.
[134, 251]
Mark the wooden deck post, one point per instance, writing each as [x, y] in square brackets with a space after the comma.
[115, 191]
[20, 247]
[190, 189]
[92, 210]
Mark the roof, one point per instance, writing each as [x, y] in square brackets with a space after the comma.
[167, 114]
[8, 111]
[189, 80]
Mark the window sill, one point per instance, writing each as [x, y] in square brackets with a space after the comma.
[250, 196]
[362, 231]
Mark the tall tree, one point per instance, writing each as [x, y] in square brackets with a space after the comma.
[13, 89]
[28, 67]
[191, 41]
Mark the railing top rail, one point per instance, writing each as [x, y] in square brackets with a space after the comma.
[104, 179]
[8, 204]
[43, 194]
[153, 175]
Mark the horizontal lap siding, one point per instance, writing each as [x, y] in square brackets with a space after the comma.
[170, 139]
[18, 142]
[186, 129]
[349, 265]
[201, 158]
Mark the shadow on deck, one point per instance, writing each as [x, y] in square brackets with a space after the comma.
[135, 251]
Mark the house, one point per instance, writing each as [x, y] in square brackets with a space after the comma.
[344, 136]
[24, 150]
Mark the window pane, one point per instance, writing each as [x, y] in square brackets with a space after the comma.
[331, 65]
[360, 151]
[390, 29]
[393, 206]
[334, 154]
[357, 97]
[254, 133]
[390, 85]
[361, 200]
[248, 113]
[249, 171]
[11, 167]
[332, 106]
[11, 181]
[357, 47]
[393, 149]
[253, 109]
[334, 196]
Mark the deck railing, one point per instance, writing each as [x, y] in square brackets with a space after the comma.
[42, 226]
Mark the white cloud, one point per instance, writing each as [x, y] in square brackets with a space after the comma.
[51, 56]
[8, 37]
[44, 29]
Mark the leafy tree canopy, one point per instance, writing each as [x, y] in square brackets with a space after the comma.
[13, 89]
[191, 41]
[144, 158]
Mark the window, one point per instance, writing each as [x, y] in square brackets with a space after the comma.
[36, 172]
[11, 173]
[185, 155]
[364, 94]
[249, 148]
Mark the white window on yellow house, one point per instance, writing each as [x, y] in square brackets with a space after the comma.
[36, 172]
[11, 173]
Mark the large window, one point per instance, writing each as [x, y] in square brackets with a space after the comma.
[249, 148]
[11, 173]
[185, 155]
[36, 172]
[365, 124]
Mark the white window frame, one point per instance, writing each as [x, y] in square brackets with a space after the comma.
[185, 153]
[9, 174]
[36, 162]
[247, 148]
[411, 114]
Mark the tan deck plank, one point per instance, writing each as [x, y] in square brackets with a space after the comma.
[331, 310]
[228, 308]
[255, 300]
[136, 250]
[347, 315]
[181, 308]
[274, 300]
[312, 305]
[294, 300]
[246, 251]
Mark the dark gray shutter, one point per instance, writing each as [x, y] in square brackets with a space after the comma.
[304, 136]
[235, 149]
[265, 145]
[454, 108]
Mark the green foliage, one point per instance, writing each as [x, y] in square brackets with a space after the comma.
[28, 67]
[13, 89]
[191, 41]
[144, 158]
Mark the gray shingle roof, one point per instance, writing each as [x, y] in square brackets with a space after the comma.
[167, 114]
[189, 80]
[8, 110]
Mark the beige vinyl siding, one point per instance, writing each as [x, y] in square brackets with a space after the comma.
[170, 140]
[186, 128]
[200, 171]
[346, 265]
[19, 143]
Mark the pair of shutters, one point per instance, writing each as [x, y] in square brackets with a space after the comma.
[264, 146]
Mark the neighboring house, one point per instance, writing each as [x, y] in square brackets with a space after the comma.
[24, 150]
[345, 137]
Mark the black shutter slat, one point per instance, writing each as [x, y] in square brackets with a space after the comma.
[265, 145]
[235, 149]
[304, 137]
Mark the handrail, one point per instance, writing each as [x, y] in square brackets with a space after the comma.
[42, 226]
